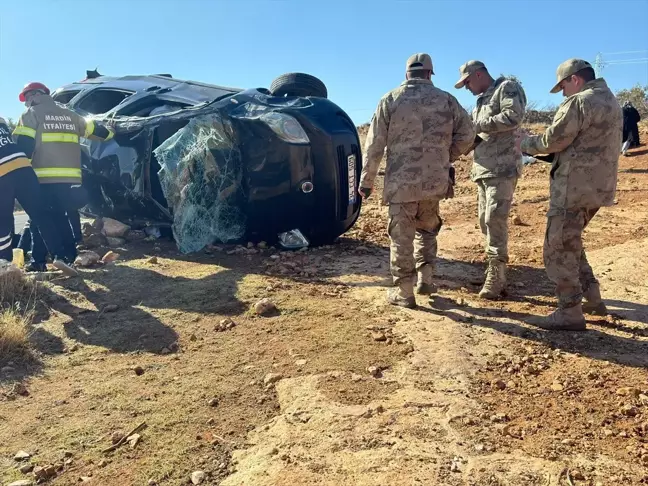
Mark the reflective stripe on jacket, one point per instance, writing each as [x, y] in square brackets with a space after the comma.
[11, 157]
[56, 131]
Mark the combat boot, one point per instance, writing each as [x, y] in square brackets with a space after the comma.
[562, 319]
[425, 285]
[426, 288]
[495, 280]
[593, 302]
[401, 297]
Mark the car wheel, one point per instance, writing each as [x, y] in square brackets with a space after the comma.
[298, 84]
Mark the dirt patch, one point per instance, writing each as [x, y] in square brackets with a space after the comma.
[356, 389]
[551, 404]
[200, 390]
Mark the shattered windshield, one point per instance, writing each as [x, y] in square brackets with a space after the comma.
[201, 174]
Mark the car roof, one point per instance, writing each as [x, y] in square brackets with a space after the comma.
[189, 90]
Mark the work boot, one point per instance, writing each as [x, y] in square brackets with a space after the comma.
[396, 297]
[495, 280]
[426, 288]
[593, 302]
[65, 268]
[562, 319]
[35, 267]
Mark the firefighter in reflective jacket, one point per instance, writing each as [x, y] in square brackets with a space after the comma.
[49, 134]
[18, 181]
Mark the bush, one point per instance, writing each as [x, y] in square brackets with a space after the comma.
[638, 96]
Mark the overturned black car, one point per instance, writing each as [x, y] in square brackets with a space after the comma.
[220, 164]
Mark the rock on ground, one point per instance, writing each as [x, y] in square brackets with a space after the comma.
[198, 477]
[115, 242]
[265, 307]
[272, 378]
[87, 259]
[109, 257]
[22, 456]
[114, 229]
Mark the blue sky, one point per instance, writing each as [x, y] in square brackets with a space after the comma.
[358, 48]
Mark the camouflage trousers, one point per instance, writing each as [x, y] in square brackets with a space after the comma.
[495, 195]
[564, 257]
[413, 229]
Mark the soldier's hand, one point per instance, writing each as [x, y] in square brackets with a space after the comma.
[365, 192]
[519, 136]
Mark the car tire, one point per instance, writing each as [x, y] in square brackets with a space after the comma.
[298, 84]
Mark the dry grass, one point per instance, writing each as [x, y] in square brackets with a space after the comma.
[535, 128]
[14, 332]
[17, 300]
[12, 283]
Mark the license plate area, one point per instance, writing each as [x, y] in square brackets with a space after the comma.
[351, 178]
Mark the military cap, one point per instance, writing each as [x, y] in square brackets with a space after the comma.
[568, 68]
[419, 62]
[466, 70]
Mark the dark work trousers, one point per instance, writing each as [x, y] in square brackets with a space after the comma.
[24, 240]
[78, 199]
[75, 224]
[22, 185]
[58, 203]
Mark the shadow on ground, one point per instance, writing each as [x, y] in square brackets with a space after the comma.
[593, 343]
[131, 328]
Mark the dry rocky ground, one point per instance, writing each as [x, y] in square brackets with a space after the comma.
[334, 387]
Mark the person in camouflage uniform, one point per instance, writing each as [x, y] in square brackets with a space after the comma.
[585, 140]
[423, 129]
[497, 164]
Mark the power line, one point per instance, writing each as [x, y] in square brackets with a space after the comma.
[600, 63]
[629, 61]
[625, 52]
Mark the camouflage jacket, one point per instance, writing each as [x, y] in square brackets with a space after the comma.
[585, 138]
[420, 129]
[498, 114]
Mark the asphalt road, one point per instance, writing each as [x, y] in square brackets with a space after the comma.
[20, 219]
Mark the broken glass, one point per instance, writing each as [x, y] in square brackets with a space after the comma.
[293, 240]
[201, 175]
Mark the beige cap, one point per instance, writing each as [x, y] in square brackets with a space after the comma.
[568, 68]
[419, 62]
[466, 70]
